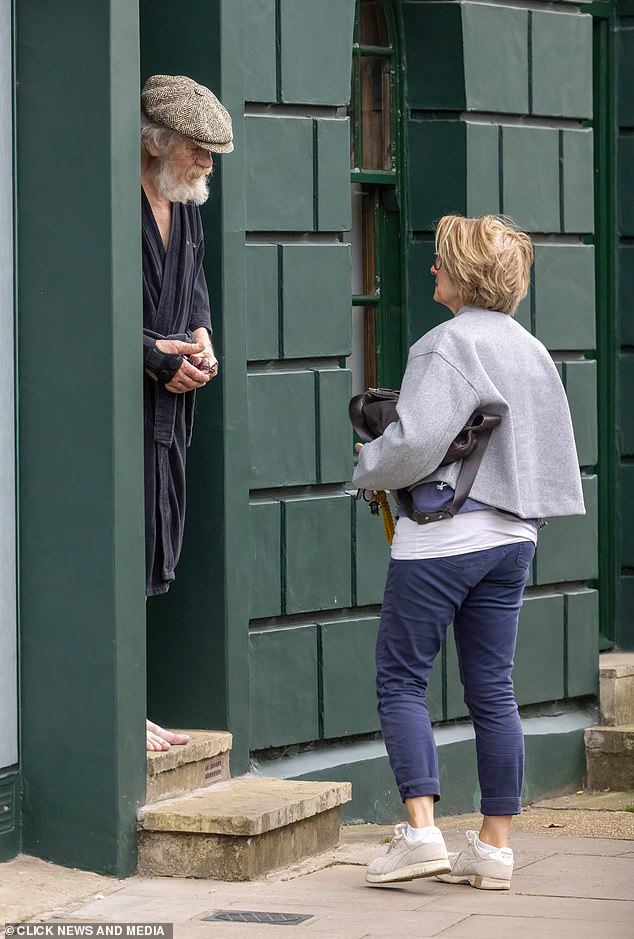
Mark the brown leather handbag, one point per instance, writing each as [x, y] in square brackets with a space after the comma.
[372, 412]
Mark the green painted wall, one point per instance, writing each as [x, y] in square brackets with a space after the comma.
[305, 552]
[80, 433]
[507, 130]
[505, 137]
[273, 616]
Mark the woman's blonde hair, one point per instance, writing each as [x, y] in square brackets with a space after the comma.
[488, 259]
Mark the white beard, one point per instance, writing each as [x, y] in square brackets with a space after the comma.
[194, 187]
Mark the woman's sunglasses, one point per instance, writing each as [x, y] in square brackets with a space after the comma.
[437, 262]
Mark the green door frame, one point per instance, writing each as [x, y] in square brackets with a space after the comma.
[80, 452]
[388, 199]
[604, 124]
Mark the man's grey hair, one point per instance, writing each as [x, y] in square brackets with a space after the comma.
[161, 137]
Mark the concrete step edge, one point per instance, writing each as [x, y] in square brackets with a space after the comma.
[203, 745]
[244, 806]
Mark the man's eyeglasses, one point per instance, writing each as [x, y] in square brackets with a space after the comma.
[437, 262]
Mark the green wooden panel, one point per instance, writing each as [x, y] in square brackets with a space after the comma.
[278, 173]
[626, 528]
[625, 296]
[567, 547]
[625, 67]
[284, 688]
[437, 171]
[316, 51]
[262, 278]
[531, 177]
[265, 567]
[318, 553]
[564, 296]
[334, 204]
[581, 388]
[282, 449]
[483, 169]
[578, 184]
[433, 52]
[562, 64]
[348, 677]
[495, 58]
[372, 555]
[539, 656]
[582, 642]
[423, 313]
[624, 632]
[334, 389]
[316, 289]
[625, 200]
[625, 393]
[455, 692]
[523, 312]
[260, 54]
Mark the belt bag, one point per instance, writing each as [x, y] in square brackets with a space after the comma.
[372, 412]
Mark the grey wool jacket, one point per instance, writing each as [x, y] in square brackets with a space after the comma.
[482, 360]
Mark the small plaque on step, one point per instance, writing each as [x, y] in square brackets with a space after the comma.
[213, 769]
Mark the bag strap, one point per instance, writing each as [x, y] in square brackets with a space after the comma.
[466, 477]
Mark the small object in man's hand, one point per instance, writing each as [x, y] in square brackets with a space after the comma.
[200, 362]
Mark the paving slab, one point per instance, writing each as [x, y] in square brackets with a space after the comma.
[466, 899]
[29, 886]
[568, 875]
[563, 887]
[196, 929]
[531, 927]
[393, 923]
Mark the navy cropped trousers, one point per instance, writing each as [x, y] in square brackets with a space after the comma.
[481, 593]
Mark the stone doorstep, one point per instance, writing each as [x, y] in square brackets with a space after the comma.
[610, 757]
[235, 858]
[240, 829]
[201, 762]
[617, 688]
[249, 805]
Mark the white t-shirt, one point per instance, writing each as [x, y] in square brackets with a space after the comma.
[466, 532]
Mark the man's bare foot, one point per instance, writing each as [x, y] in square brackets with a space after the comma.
[160, 739]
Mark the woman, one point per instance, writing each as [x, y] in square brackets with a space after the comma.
[471, 569]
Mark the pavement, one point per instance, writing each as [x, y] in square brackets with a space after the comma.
[574, 877]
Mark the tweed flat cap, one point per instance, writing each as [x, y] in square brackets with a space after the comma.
[179, 103]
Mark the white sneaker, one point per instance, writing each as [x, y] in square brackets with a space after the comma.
[407, 859]
[486, 871]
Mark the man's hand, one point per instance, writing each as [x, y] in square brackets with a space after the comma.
[207, 353]
[187, 378]
[176, 347]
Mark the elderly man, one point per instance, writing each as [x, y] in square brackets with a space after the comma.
[182, 124]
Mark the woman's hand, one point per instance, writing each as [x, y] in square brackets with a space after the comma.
[358, 447]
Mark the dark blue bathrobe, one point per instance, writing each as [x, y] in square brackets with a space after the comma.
[175, 302]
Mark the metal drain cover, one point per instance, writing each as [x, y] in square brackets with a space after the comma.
[252, 916]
